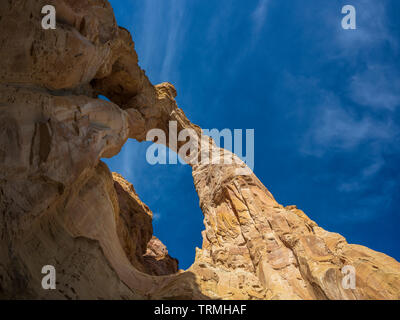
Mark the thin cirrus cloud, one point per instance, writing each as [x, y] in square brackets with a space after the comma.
[336, 133]
[336, 129]
[176, 33]
[363, 179]
[340, 130]
[258, 19]
[341, 126]
[367, 48]
[162, 34]
[372, 29]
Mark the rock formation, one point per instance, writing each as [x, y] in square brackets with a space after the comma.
[61, 206]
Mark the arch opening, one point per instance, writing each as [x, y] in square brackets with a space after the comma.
[169, 192]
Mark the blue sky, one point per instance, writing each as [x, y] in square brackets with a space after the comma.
[324, 103]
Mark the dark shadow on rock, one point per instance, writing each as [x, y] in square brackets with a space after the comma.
[135, 232]
[181, 286]
[157, 260]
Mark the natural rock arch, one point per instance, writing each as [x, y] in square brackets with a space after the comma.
[59, 204]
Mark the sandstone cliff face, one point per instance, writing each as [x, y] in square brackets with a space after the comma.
[60, 204]
[157, 259]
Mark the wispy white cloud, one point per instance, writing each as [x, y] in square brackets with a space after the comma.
[258, 19]
[363, 180]
[340, 127]
[374, 168]
[164, 24]
[372, 30]
[129, 157]
[377, 87]
[259, 16]
[149, 46]
[176, 32]
[335, 128]
[366, 209]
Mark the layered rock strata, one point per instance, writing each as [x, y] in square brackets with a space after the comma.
[61, 206]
